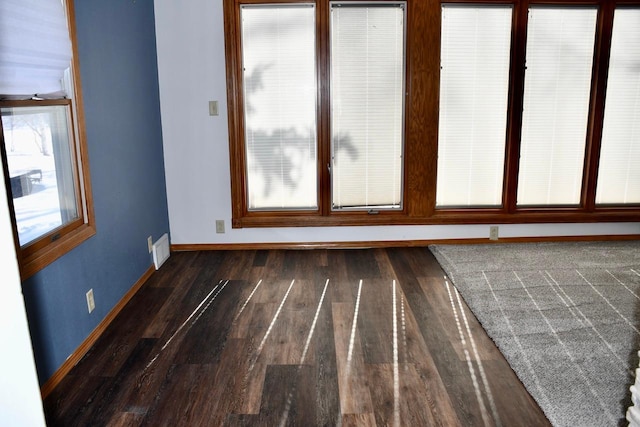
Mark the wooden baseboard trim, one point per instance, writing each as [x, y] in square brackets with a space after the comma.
[79, 353]
[393, 243]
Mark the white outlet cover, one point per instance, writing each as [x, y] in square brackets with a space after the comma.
[493, 232]
[91, 304]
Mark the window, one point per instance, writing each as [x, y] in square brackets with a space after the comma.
[367, 106]
[278, 53]
[619, 172]
[496, 115]
[560, 44]
[474, 84]
[322, 90]
[538, 101]
[43, 152]
[40, 160]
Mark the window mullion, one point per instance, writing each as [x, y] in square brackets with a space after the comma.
[516, 96]
[324, 107]
[604, 32]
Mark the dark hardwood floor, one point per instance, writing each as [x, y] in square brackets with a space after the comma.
[318, 337]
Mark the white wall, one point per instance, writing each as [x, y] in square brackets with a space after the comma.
[20, 402]
[191, 62]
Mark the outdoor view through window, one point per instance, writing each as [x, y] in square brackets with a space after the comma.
[39, 160]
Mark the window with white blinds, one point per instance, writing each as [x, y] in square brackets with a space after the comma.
[559, 57]
[619, 169]
[474, 85]
[279, 79]
[367, 104]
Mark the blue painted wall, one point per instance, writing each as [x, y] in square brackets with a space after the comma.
[118, 66]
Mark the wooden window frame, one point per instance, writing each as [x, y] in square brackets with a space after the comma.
[38, 254]
[421, 127]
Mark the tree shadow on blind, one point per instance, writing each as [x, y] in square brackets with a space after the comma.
[282, 157]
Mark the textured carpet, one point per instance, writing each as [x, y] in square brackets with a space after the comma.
[566, 316]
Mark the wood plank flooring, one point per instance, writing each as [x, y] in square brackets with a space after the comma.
[358, 337]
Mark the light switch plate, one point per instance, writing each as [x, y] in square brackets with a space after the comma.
[213, 108]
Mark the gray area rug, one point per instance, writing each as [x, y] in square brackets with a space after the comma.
[566, 316]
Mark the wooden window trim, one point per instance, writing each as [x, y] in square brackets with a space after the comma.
[42, 252]
[421, 128]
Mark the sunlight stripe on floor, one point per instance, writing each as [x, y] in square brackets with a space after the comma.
[566, 350]
[472, 372]
[187, 321]
[575, 308]
[287, 407]
[209, 303]
[352, 338]
[625, 286]
[483, 376]
[313, 325]
[404, 332]
[396, 378]
[622, 316]
[536, 380]
[273, 322]
[248, 299]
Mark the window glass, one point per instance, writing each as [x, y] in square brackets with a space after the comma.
[367, 105]
[559, 56]
[40, 160]
[474, 86]
[619, 169]
[279, 76]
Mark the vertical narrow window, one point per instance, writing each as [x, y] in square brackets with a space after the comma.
[279, 76]
[619, 170]
[474, 83]
[367, 105]
[560, 43]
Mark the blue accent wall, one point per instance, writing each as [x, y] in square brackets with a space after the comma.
[118, 69]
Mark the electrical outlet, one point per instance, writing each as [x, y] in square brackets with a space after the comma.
[493, 232]
[91, 304]
[219, 226]
[150, 244]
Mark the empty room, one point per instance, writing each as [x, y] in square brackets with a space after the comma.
[270, 213]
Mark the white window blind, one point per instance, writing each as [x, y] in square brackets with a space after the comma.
[278, 54]
[474, 79]
[619, 169]
[560, 42]
[35, 49]
[367, 105]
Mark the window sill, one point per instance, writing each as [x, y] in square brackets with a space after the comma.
[33, 263]
[443, 217]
